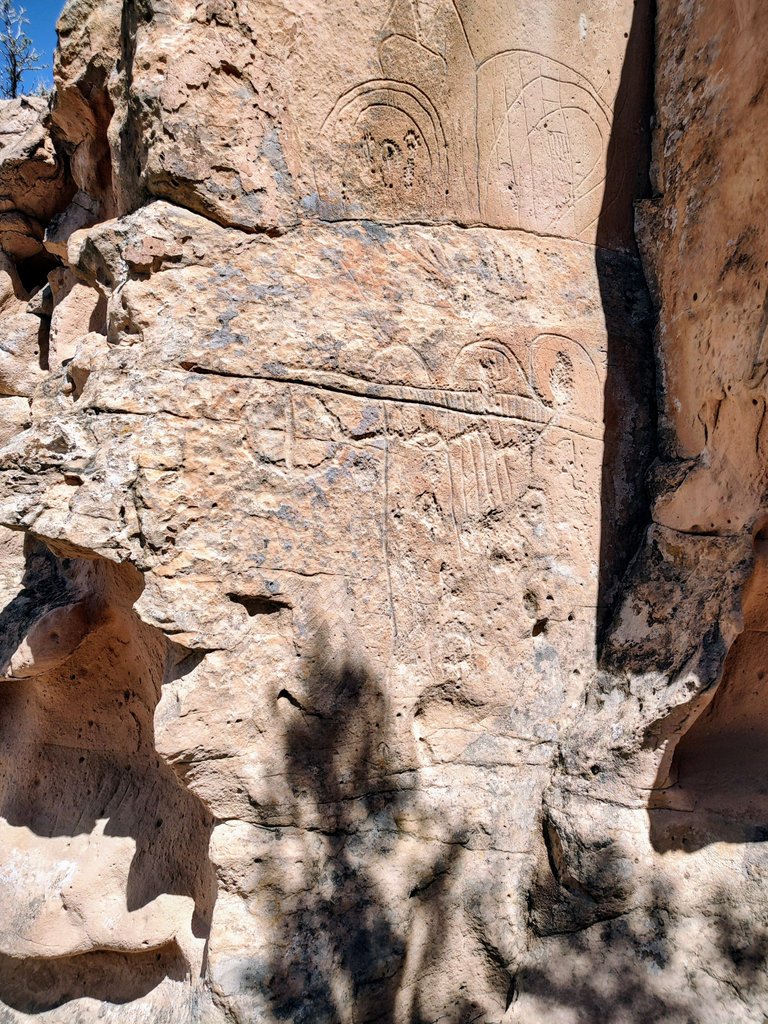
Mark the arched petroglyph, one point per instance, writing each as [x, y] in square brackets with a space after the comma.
[490, 367]
[433, 24]
[387, 146]
[566, 380]
[483, 420]
[399, 364]
[523, 135]
[490, 378]
[542, 133]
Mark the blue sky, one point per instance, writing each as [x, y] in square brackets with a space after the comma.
[42, 16]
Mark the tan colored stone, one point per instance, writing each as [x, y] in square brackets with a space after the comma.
[78, 310]
[433, 112]
[381, 482]
[33, 180]
[664, 783]
[329, 690]
[153, 883]
[88, 50]
[81, 213]
[21, 355]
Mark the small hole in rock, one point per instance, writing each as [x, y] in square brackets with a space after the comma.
[258, 605]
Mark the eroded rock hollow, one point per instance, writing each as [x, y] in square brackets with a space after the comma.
[383, 494]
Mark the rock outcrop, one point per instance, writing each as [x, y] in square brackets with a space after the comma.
[382, 622]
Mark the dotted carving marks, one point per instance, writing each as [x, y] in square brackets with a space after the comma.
[566, 379]
[517, 140]
[542, 137]
[387, 148]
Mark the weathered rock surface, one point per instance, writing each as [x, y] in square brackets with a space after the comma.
[339, 486]
[659, 817]
[351, 668]
[33, 178]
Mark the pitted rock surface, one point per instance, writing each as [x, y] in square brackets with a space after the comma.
[383, 590]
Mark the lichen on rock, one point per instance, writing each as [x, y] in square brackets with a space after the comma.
[383, 591]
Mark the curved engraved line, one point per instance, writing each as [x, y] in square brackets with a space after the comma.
[585, 85]
[489, 341]
[418, 358]
[575, 197]
[495, 345]
[430, 145]
[570, 340]
[563, 337]
[484, 343]
[603, 144]
[405, 113]
[574, 106]
[495, 144]
[460, 20]
[421, 99]
[367, 99]
[520, 99]
[588, 87]
[359, 92]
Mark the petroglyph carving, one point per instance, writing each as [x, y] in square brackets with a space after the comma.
[510, 408]
[399, 364]
[514, 139]
[560, 384]
[491, 368]
[565, 376]
[483, 471]
[387, 143]
[542, 134]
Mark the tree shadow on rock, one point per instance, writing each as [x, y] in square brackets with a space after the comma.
[340, 952]
[363, 934]
[605, 944]
[609, 972]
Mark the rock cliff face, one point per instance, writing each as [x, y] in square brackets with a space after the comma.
[382, 622]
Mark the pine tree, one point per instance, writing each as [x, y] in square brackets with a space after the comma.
[17, 53]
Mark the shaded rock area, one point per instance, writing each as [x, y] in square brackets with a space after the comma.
[383, 587]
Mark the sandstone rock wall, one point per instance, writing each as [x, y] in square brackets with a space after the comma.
[657, 824]
[330, 693]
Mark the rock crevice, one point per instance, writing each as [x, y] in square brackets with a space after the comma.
[370, 651]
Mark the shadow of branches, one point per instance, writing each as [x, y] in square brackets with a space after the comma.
[364, 914]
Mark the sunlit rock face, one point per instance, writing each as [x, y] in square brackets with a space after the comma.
[659, 815]
[349, 625]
